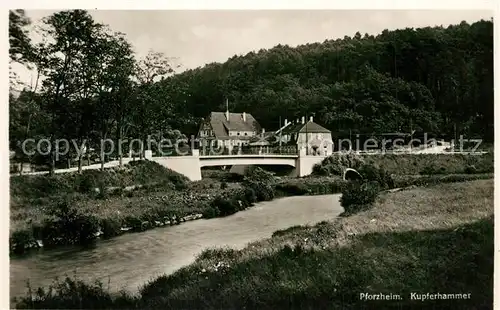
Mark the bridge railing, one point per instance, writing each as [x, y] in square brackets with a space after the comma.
[268, 150]
[252, 150]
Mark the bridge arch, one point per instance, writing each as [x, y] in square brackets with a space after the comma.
[351, 174]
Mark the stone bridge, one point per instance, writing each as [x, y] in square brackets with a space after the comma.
[190, 166]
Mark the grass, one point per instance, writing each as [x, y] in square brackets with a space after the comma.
[408, 164]
[433, 239]
[133, 173]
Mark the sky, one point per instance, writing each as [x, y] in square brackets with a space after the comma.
[196, 38]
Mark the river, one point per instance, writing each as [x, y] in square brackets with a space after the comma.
[131, 260]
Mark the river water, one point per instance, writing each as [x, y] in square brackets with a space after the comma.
[131, 260]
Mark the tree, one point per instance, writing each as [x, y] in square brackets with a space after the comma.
[154, 108]
[19, 40]
[72, 64]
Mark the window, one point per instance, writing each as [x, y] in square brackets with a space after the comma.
[246, 134]
[238, 133]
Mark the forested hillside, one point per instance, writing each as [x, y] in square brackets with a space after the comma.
[436, 77]
[438, 80]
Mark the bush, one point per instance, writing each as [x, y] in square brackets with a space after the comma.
[133, 222]
[71, 294]
[310, 186]
[430, 170]
[21, 240]
[110, 227]
[335, 165]
[226, 206]
[373, 173]
[223, 185]
[211, 212]
[262, 182]
[405, 181]
[470, 169]
[250, 195]
[296, 189]
[359, 196]
[68, 226]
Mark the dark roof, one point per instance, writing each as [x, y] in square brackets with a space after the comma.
[221, 126]
[307, 127]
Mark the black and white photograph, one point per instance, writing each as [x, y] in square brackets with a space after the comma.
[251, 159]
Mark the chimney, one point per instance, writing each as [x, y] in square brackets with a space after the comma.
[286, 122]
[303, 120]
[244, 117]
[310, 118]
[298, 121]
[227, 110]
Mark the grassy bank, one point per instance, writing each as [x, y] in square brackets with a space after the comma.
[410, 164]
[433, 239]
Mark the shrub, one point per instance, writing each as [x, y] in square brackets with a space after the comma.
[226, 206]
[110, 227]
[250, 195]
[373, 173]
[336, 164]
[261, 181]
[293, 189]
[470, 169]
[70, 294]
[359, 196]
[68, 226]
[21, 240]
[133, 222]
[211, 212]
[405, 181]
[223, 185]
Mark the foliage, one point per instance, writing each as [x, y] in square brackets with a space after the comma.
[261, 182]
[406, 164]
[20, 45]
[139, 173]
[69, 226]
[376, 174]
[425, 180]
[310, 186]
[336, 164]
[359, 196]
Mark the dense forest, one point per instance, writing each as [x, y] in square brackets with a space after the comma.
[434, 79]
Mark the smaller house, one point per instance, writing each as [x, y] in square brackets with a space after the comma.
[310, 137]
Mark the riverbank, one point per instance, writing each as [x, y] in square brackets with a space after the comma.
[436, 239]
[78, 209]
[60, 211]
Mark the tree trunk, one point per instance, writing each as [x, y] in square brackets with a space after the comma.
[119, 138]
[80, 159]
[52, 158]
[102, 152]
[141, 150]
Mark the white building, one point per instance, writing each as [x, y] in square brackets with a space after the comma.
[310, 137]
[228, 129]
